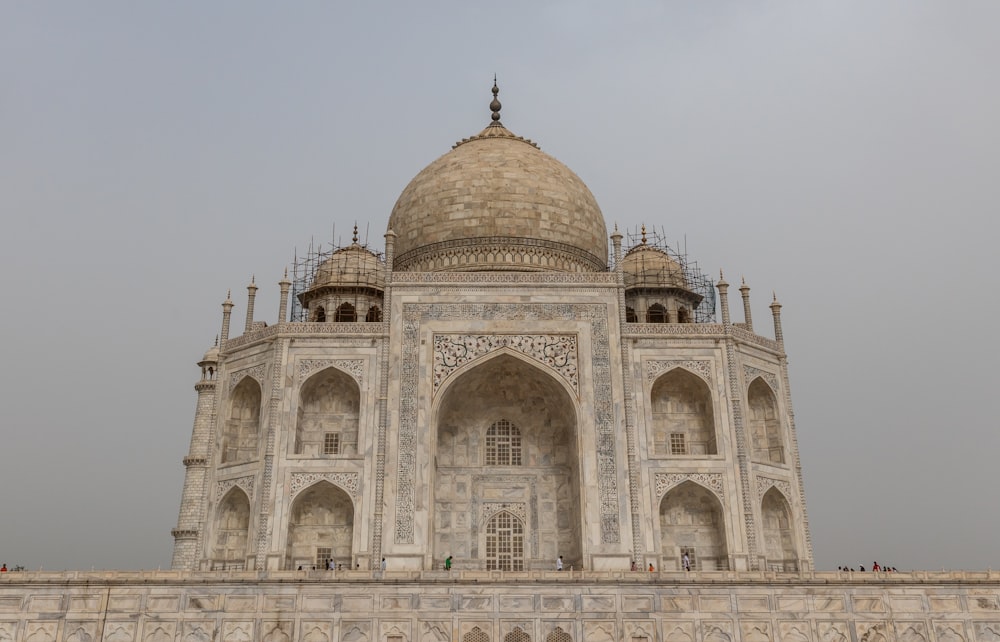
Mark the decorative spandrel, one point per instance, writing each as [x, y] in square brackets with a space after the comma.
[556, 351]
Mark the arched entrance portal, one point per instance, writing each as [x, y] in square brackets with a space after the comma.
[506, 456]
[691, 522]
[779, 539]
[320, 528]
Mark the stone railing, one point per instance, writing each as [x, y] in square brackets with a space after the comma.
[728, 578]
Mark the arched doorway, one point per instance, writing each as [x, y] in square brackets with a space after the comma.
[232, 530]
[320, 527]
[691, 522]
[506, 445]
[239, 438]
[683, 421]
[765, 427]
[327, 420]
[779, 537]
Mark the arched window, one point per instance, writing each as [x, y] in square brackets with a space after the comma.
[656, 314]
[374, 314]
[683, 316]
[630, 316]
[503, 444]
[319, 315]
[345, 313]
[683, 420]
[239, 438]
[765, 427]
[321, 527]
[504, 543]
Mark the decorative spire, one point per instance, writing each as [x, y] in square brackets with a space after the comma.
[355, 239]
[495, 104]
[643, 233]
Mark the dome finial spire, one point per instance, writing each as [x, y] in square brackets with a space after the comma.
[355, 239]
[495, 104]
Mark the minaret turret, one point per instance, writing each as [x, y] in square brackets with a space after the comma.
[251, 295]
[776, 313]
[723, 288]
[284, 284]
[227, 311]
[745, 293]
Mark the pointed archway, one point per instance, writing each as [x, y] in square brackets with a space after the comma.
[692, 522]
[232, 530]
[506, 443]
[320, 527]
[777, 531]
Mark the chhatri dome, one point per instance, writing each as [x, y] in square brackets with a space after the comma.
[497, 202]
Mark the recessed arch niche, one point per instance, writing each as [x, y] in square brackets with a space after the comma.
[778, 535]
[239, 438]
[683, 418]
[542, 485]
[692, 521]
[320, 527]
[232, 530]
[328, 414]
[765, 426]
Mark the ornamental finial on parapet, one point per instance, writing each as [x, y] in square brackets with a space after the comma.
[495, 103]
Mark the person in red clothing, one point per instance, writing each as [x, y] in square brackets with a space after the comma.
[3, 569]
[875, 567]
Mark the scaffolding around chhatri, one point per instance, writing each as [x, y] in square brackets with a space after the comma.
[657, 273]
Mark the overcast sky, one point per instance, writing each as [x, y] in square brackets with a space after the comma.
[843, 154]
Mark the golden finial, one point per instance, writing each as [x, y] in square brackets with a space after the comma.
[643, 233]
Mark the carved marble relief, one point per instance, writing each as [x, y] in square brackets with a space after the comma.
[711, 481]
[353, 367]
[347, 481]
[222, 487]
[750, 373]
[702, 368]
[765, 484]
[256, 373]
[556, 351]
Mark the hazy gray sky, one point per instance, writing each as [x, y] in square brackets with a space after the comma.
[844, 154]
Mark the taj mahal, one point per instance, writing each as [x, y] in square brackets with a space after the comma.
[511, 422]
[499, 387]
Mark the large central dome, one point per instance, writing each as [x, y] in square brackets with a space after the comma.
[497, 202]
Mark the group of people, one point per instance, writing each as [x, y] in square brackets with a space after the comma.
[875, 568]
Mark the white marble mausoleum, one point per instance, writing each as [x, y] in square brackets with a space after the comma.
[506, 384]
